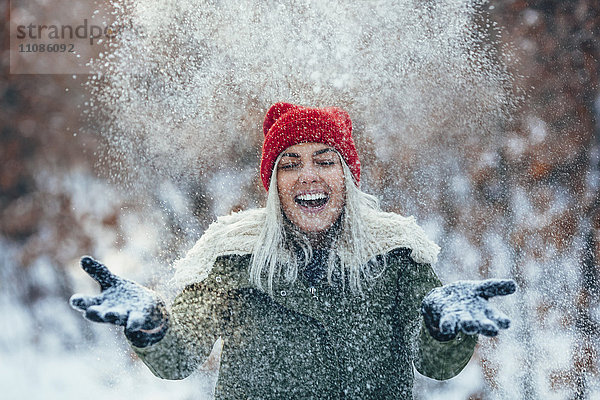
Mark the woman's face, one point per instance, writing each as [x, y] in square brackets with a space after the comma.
[310, 181]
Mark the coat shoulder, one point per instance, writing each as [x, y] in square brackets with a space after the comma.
[234, 234]
[391, 231]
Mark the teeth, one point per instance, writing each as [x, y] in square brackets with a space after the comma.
[312, 196]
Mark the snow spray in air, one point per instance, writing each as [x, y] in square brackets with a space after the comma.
[184, 89]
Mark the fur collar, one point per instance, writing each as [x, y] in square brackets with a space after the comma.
[237, 233]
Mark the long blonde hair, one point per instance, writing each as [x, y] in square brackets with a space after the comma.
[275, 252]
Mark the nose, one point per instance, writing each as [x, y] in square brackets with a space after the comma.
[308, 173]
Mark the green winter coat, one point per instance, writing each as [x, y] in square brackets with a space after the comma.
[325, 343]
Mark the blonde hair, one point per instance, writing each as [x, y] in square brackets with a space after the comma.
[274, 252]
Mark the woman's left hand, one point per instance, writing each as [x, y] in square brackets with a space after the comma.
[463, 306]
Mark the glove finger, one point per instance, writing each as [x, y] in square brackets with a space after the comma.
[449, 323]
[99, 272]
[115, 317]
[468, 324]
[487, 327]
[135, 321]
[496, 287]
[498, 317]
[81, 302]
[95, 314]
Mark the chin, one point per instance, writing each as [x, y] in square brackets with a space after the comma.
[314, 227]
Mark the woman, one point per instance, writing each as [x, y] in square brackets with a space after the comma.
[317, 295]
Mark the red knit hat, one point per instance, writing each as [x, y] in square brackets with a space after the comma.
[288, 124]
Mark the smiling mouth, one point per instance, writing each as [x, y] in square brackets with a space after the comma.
[312, 200]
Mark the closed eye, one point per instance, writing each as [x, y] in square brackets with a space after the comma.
[288, 165]
[326, 162]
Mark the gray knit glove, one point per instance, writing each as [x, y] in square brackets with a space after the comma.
[125, 303]
[463, 306]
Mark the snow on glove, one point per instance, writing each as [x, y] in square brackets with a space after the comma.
[463, 306]
[125, 303]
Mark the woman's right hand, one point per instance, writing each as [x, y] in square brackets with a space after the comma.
[125, 303]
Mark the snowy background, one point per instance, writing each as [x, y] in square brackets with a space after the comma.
[479, 118]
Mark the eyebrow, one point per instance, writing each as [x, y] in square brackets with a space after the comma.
[316, 153]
